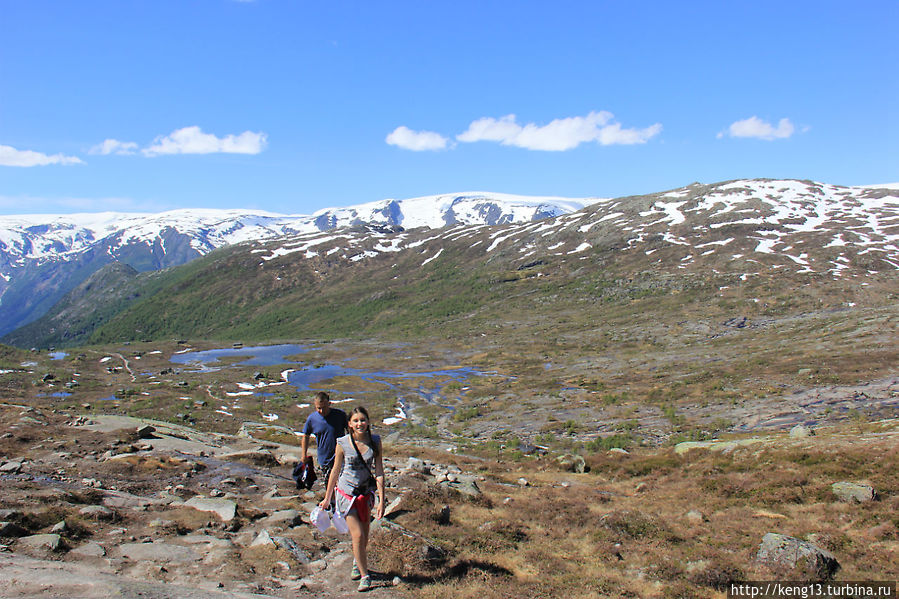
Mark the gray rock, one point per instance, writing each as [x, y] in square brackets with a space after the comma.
[417, 465]
[145, 432]
[60, 527]
[10, 514]
[98, 512]
[317, 565]
[572, 463]
[90, 549]
[800, 431]
[789, 553]
[262, 539]
[394, 506]
[286, 517]
[695, 517]
[291, 547]
[11, 467]
[466, 485]
[225, 509]
[51, 542]
[853, 492]
[158, 552]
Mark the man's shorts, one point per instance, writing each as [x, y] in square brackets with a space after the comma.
[325, 472]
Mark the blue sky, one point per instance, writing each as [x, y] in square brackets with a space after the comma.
[296, 106]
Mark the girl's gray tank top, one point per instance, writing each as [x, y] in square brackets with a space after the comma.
[354, 473]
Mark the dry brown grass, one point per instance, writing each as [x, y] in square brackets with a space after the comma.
[622, 530]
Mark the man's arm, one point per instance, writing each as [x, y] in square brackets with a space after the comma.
[304, 443]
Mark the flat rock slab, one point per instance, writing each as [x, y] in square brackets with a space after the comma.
[170, 437]
[10, 467]
[26, 577]
[225, 509]
[853, 492]
[49, 542]
[159, 552]
[288, 517]
[120, 499]
[90, 549]
[97, 512]
[207, 540]
[721, 446]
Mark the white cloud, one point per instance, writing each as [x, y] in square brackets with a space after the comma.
[114, 146]
[10, 156]
[754, 127]
[558, 135]
[417, 141]
[192, 140]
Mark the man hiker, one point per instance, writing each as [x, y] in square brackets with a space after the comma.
[326, 424]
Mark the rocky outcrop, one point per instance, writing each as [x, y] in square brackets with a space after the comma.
[794, 556]
[853, 492]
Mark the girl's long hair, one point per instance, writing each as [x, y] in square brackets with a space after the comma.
[371, 439]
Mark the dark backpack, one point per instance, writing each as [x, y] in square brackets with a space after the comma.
[304, 474]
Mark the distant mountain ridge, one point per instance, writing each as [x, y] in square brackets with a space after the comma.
[43, 257]
[765, 234]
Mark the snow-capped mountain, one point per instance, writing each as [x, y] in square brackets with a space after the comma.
[48, 237]
[42, 257]
[753, 225]
[778, 233]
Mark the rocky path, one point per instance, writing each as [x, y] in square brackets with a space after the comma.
[110, 506]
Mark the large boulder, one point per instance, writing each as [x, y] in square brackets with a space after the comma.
[46, 542]
[853, 492]
[464, 484]
[572, 462]
[800, 431]
[792, 555]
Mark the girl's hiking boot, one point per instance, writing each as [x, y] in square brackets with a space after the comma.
[355, 574]
[364, 584]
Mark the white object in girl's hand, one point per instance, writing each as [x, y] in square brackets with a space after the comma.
[320, 518]
[339, 522]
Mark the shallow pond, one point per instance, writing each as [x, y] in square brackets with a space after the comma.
[310, 378]
[265, 355]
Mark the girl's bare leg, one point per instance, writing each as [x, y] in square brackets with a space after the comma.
[359, 534]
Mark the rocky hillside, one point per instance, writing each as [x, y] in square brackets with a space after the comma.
[42, 257]
[758, 240]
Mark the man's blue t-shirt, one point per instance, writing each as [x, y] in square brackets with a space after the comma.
[326, 430]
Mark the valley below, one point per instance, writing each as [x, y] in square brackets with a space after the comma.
[520, 462]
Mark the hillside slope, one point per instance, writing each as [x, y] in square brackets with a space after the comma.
[790, 245]
[43, 257]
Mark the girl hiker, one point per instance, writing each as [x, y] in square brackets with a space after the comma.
[357, 475]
